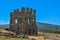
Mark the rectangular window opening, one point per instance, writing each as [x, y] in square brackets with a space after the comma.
[16, 21]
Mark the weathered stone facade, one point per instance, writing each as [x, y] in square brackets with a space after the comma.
[23, 22]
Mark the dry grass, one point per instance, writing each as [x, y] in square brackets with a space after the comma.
[45, 36]
[37, 38]
[41, 36]
[4, 38]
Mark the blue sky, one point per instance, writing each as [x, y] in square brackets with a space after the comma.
[47, 11]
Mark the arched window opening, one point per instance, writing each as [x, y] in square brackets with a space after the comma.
[16, 21]
[25, 20]
[33, 20]
[28, 21]
[20, 21]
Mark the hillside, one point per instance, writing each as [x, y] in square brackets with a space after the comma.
[48, 27]
[4, 26]
[40, 26]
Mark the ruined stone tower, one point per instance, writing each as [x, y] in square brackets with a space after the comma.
[23, 21]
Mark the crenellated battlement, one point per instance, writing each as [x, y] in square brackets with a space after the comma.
[23, 21]
[25, 10]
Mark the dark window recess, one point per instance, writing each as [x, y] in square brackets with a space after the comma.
[20, 21]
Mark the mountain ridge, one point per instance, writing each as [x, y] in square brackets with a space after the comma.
[40, 26]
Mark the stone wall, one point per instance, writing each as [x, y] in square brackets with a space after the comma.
[23, 21]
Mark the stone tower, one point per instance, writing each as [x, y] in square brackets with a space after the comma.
[23, 21]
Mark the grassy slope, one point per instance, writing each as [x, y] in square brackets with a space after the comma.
[2, 38]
